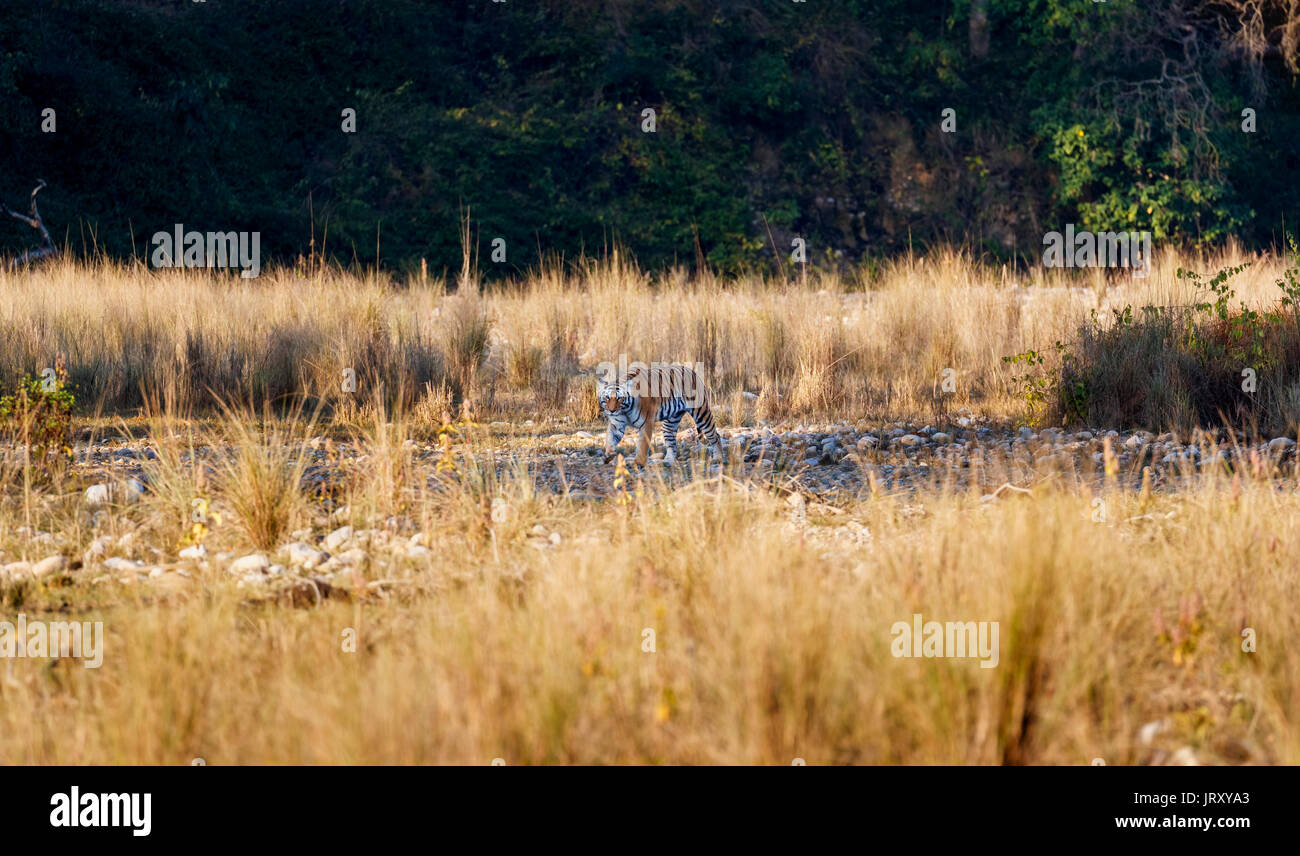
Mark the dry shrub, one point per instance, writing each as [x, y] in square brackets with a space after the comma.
[582, 399]
[467, 328]
[261, 477]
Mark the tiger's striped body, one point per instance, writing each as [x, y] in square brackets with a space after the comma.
[657, 394]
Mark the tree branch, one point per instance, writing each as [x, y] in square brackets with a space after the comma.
[33, 219]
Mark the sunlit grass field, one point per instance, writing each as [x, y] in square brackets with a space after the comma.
[485, 615]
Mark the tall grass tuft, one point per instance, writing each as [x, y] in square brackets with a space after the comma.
[262, 476]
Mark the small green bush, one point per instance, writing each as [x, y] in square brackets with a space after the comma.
[37, 416]
[1178, 368]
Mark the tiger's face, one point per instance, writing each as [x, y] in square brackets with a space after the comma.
[611, 398]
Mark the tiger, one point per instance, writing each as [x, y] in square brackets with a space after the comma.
[656, 393]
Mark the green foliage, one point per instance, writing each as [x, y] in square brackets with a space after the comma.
[1034, 386]
[1172, 368]
[818, 120]
[38, 417]
[1042, 385]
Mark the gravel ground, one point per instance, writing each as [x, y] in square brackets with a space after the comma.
[827, 465]
[829, 461]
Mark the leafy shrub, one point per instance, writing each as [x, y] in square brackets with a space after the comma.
[1177, 368]
[37, 416]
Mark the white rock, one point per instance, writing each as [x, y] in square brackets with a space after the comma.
[16, 570]
[338, 537]
[910, 440]
[418, 551]
[355, 556]
[250, 564]
[304, 555]
[555, 538]
[49, 565]
[102, 494]
[1280, 444]
[1149, 732]
[194, 551]
[134, 490]
[117, 563]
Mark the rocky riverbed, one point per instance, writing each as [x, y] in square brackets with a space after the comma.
[830, 461]
[826, 466]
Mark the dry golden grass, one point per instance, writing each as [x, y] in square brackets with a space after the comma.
[520, 349]
[771, 619]
[772, 635]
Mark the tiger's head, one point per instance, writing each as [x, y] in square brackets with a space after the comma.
[613, 397]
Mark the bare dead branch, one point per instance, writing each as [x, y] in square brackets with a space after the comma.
[33, 219]
[1177, 41]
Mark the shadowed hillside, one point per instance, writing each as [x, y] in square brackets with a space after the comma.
[863, 126]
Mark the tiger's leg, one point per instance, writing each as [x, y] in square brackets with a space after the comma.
[670, 439]
[643, 443]
[613, 437]
[706, 430]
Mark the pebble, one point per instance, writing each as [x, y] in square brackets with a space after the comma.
[355, 556]
[304, 555]
[102, 494]
[338, 537]
[252, 563]
[16, 570]
[48, 565]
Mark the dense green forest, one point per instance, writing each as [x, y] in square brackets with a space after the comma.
[825, 119]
